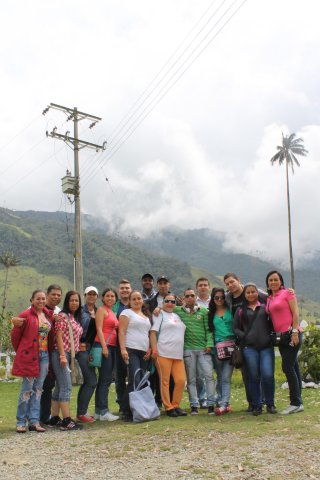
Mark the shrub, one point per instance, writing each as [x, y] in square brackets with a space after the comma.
[309, 359]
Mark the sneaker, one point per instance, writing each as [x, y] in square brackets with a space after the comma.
[249, 409]
[85, 418]
[211, 410]
[194, 411]
[181, 413]
[54, 422]
[172, 413]
[203, 404]
[256, 411]
[109, 417]
[271, 409]
[292, 409]
[228, 408]
[69, 424]
[221, 410]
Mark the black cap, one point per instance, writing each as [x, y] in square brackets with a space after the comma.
[163, 278]
[147, 275]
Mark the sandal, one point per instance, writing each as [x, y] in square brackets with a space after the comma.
[36, 427]
[21, 429]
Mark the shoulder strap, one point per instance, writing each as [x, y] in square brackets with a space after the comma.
[73, 353]
[158, 333]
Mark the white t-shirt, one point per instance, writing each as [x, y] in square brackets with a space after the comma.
[137, 334]
[171, 336]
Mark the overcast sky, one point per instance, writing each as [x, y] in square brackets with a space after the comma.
[201, 158]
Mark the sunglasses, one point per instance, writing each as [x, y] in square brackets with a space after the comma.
[170, 301]
[219, 297]
[190, 295]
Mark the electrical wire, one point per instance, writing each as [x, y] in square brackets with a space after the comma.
[19, 133]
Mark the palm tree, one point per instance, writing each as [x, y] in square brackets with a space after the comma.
[8, 260]
[287, 152]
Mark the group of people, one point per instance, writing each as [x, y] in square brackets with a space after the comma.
[181, 340]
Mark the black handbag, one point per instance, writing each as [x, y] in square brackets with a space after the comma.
[236, 359]
[281, 339]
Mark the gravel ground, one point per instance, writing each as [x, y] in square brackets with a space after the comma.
[93, 454]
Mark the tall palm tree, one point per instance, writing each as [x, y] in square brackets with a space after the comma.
[291, 146]
[8, 260]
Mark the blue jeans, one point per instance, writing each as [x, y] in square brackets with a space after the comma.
[104, 381]
[30, 394]
[224, 373]
[260, 370]
[135, 361]
[63, 387]
[290, 367]
[89, 383]
[193, 358]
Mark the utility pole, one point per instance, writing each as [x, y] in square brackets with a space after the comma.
[76, 144]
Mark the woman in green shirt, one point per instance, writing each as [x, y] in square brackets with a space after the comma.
[220, 324]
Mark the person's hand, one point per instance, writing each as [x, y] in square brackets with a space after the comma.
[17, 321]
[63, 361]
[105, 352]
[154, 353]
[208, 350]
[55, 317]
[125, 356]
[291, 290]
[294, 339]
[156, 311]
[147, 355]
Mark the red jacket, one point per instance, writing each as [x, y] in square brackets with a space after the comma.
[25, 341]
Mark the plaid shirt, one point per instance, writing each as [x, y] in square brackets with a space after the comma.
[63, 325]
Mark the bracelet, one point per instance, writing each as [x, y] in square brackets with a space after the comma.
[295, 333]
[62, 356]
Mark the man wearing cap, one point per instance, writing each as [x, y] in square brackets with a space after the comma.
[147, 291]
[88, 324]
[163, 286]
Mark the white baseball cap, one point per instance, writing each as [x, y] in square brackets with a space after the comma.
[91, 289]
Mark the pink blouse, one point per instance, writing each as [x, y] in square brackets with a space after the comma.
[279, 309]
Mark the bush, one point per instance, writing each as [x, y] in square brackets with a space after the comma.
[309, 359]
[5, 330]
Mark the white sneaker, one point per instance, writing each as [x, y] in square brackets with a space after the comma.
[96, 416]
[292, 409]
[109, 417]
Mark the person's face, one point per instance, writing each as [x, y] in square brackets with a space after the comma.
[219, 299]
[233, 285]
[147, 283]
[54, 297]
[169, 303]
[39, 301]
[190, 298]
[203, 288]
[91, 298]
[251, 294]
[74, 303]
[109, 299]
[124, 291]
[274, 282]
[163, 287]
[136, 301]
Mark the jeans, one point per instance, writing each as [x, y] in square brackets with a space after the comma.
[89, 383]
[29, 399]
[45, 402]
[104, 381]
[63, 388]
[191, 360]
[135, 361]
[290, 368]
[121, 373]
[201, 386]
[224, 373]
[260, 370]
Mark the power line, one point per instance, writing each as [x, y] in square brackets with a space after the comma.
[19, 133]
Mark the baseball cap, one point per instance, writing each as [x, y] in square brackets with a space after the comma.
[91, 289]
[147, 275]
[163, 278]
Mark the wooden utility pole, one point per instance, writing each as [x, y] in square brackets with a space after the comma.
[76, 144]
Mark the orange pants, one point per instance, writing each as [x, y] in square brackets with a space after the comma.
[174, 367]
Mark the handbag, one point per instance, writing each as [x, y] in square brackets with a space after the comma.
[76, 373]
[95, 354]
[141, 400]
[225, 349]
[281, 339]
[236, 359]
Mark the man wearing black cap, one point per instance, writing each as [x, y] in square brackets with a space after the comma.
[163, 286]
[147, 291]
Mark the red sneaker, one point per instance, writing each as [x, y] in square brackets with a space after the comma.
[220, 410]
[85, 418]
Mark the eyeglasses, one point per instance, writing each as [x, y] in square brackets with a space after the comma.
[170, 301]
[190, 295]
[219, 297]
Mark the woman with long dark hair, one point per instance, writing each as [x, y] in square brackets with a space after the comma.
[134, 327]
[69, 321]
[220, 324]
[252, 327]
[283, 308]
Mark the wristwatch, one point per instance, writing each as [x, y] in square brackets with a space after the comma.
[295, 330]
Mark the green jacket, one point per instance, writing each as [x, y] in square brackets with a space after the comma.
[197, 335]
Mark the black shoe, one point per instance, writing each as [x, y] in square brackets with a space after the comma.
[54, 422]
[126, 417]
[211, 410]
[194, 411]
[180, 413]
[249, 409]
[69, 424]
[256, 411]
[271, 409]
[159, 405]
[172, 413]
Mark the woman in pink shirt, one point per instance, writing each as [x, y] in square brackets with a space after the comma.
[283, 308]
